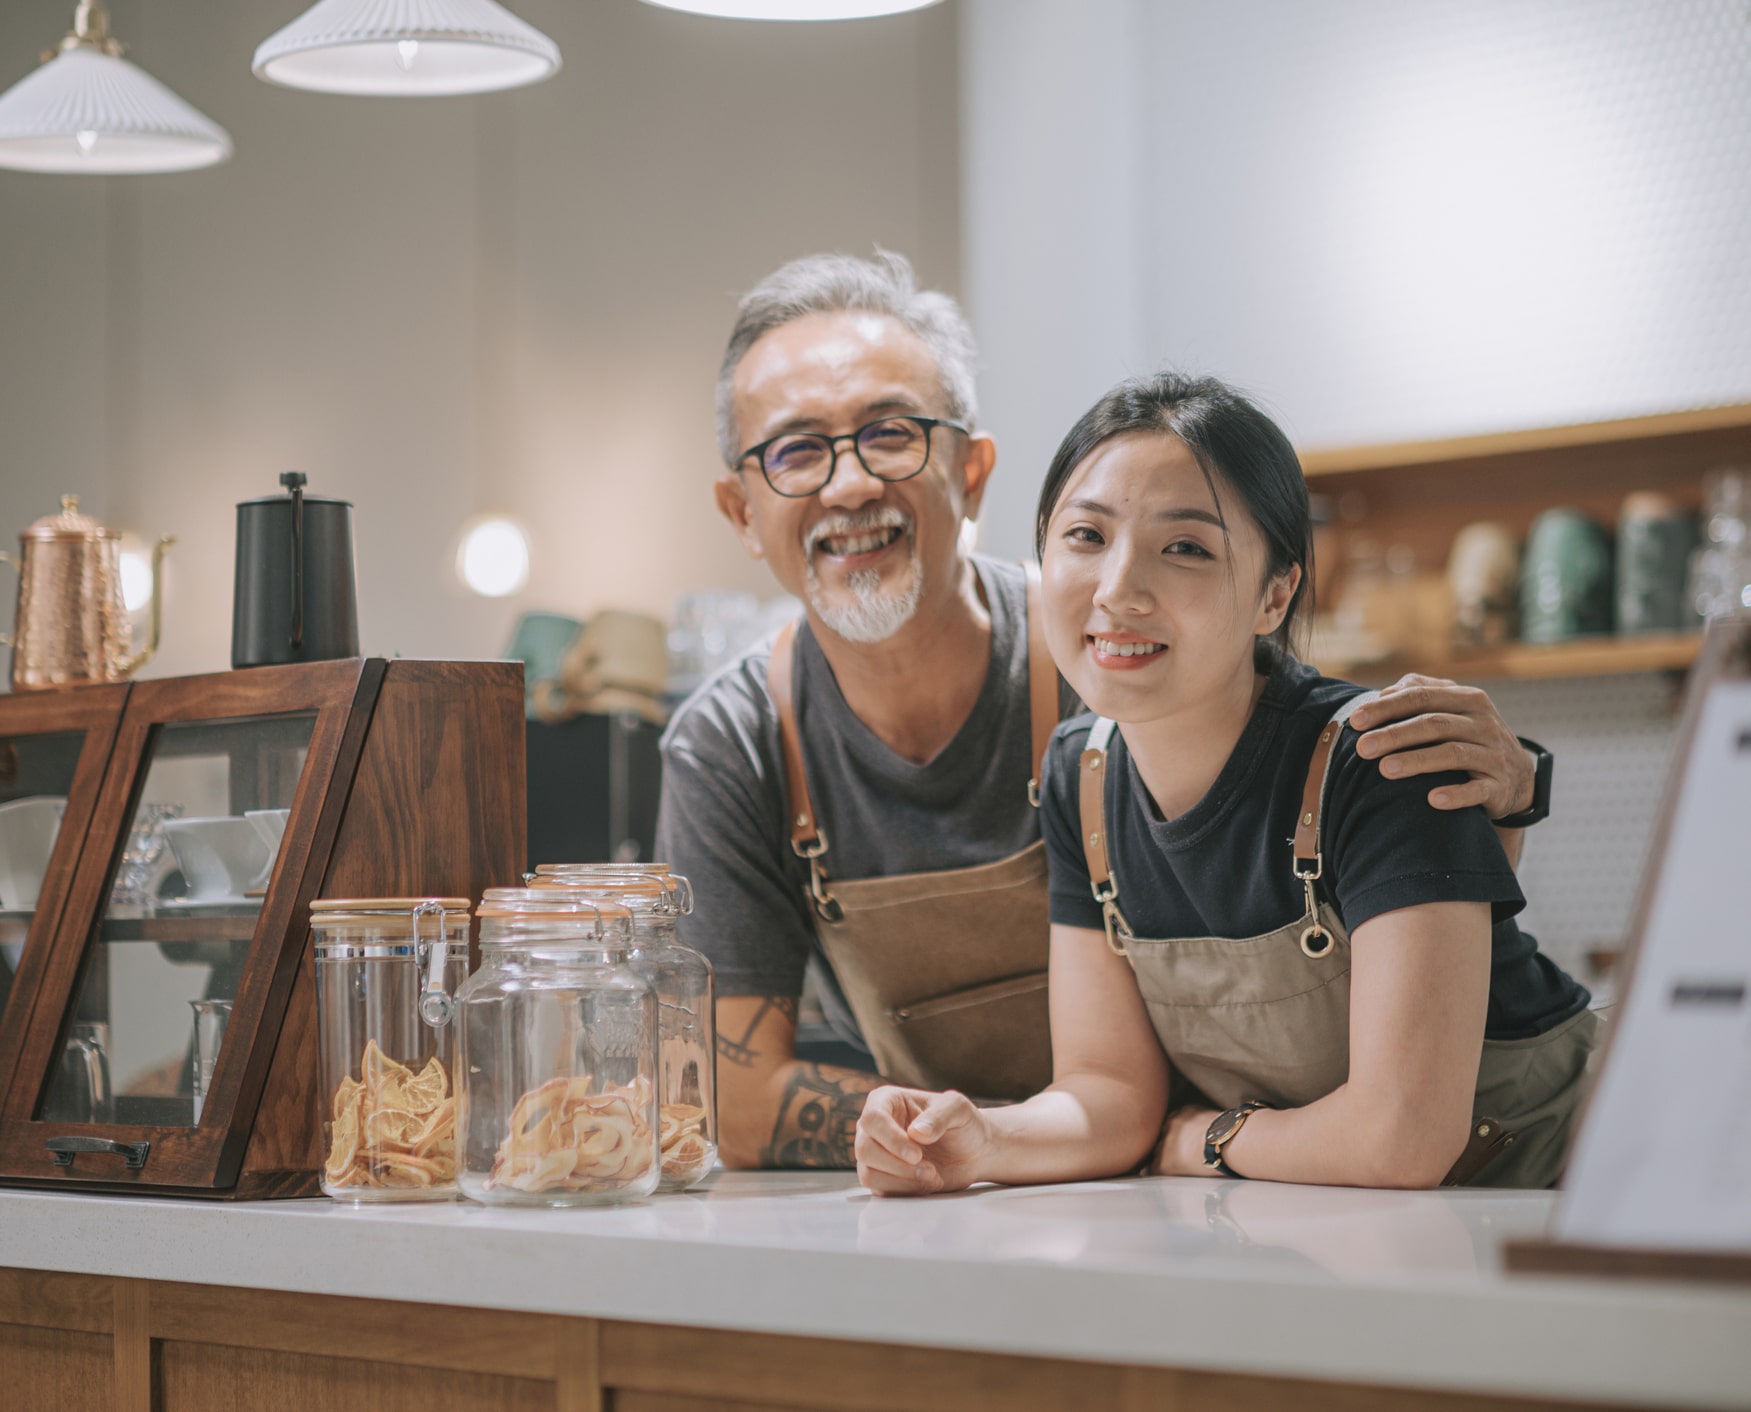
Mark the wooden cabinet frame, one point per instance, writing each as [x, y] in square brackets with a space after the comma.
[96, 711]
[209, 1156]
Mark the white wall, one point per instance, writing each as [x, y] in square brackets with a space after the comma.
[445, 306]
[1390, 219]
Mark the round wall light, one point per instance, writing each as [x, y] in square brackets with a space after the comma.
[493, 557]
[793, 9]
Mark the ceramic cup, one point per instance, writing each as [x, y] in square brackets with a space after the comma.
[28, 829]
[220, 857]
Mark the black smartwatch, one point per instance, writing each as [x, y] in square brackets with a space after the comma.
[1543, 767]
[1221, 1132]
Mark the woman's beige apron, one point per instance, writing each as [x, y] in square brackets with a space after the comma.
[1267, 1017]
[944, 971]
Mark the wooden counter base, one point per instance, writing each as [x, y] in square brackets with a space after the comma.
[87, 1343]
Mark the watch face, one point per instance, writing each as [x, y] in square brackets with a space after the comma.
[1223, 1128]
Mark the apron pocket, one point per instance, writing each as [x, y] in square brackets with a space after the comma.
[972, 1031]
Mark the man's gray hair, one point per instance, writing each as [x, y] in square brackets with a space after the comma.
[833, 284]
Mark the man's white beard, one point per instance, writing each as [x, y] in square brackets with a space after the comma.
[873, 614]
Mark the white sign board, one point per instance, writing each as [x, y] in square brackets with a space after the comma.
[1664, 1156]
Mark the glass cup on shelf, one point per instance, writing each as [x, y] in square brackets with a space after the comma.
[686, 995]
[387, 973]
[211, 1018]
[559, 1055]
[140, 855]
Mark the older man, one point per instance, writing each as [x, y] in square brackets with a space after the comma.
[859, 791]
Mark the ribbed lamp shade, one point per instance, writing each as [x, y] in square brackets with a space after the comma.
[89, 112]
[793, 9]
[412, 47]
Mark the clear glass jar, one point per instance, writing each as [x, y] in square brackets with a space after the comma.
[387, 971]
[686, 995]
[559, 1055]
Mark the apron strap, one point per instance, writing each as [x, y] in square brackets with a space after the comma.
[1042, 679]
[1308, 862]
[806, 836]
[1091, 787]
[1307, 822]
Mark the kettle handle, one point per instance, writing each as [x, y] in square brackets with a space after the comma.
[294, 482]
[11, 563]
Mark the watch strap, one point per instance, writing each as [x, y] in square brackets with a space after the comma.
[1543, 771]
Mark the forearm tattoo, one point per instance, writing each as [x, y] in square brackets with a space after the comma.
[817, 1117]
[740, 1050]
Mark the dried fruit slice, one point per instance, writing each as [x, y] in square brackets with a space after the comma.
[426, 1092]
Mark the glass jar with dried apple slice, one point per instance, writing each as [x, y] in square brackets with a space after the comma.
[682, 977]
[387, 972]
[558, 1051]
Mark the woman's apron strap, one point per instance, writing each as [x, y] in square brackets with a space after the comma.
[1091, 807]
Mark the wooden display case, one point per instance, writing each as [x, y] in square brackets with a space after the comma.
[387, 778]
[1420, 494]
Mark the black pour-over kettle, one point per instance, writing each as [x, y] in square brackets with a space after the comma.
[295, 598]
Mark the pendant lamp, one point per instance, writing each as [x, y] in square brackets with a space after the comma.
[89, 110]
[793, 9]
[406, 47]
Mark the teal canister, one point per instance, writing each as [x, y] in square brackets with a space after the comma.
[1655, 538]
[1565, 583]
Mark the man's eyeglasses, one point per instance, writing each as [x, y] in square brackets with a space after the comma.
[800, 463]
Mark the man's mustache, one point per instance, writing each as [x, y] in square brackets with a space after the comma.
[846, 522]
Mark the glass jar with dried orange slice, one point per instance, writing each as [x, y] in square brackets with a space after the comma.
[387, 973]
[682, 978]
[558, 1048]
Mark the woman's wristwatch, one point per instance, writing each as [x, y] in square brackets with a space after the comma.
[1221, 1132]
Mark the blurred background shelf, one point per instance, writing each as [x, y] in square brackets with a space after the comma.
[1525, 661]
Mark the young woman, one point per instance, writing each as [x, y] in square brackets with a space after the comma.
[1268, 960]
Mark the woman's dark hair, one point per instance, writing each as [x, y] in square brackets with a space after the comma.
[1236, 445]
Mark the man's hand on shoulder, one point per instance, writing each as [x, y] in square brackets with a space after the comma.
[1428, 725]
[775, 1110]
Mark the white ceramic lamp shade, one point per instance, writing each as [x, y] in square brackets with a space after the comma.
[86, 111]
[406, 47]
[793, 9]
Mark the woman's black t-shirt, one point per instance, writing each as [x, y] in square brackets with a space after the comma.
[1223, 868]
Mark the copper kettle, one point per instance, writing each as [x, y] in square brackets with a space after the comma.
[71, 628]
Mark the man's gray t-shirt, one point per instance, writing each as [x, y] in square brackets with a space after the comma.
[724, 817]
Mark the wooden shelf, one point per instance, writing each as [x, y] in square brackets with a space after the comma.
[1522, 661]
[1706, 424]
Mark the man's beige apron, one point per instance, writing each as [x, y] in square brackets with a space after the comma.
[1267, 1018]
[944, 971]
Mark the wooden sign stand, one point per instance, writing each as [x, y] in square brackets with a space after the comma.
[1726, 657]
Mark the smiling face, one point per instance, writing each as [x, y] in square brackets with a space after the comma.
[862, 552]
[1151, 609]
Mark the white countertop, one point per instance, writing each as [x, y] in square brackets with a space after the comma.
[1394, 1288]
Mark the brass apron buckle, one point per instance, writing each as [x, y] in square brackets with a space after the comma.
[1316, 941]
[1118, 929]
[826, 905]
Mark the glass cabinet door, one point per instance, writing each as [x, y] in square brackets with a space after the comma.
[36, 776]
[164, 962]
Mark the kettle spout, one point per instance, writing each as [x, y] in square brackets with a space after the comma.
[132, 663]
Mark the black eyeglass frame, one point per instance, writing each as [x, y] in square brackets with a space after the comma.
[930, 424]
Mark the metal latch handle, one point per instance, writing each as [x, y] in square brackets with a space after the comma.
[65, 1149]
[437, 1007]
